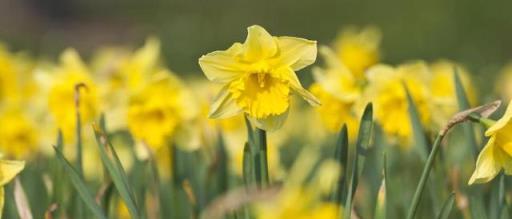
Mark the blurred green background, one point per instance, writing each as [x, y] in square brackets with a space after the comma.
[474, 32]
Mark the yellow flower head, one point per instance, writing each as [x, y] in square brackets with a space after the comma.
[160, 111]
[18, 135]
[504, 83]
[442, 88]
[302, 198]
[8, 170]
[8, 74]
[386, 91]
[338, 89]
[61, 98]
[497, 153]
[358, 49]
[259, 76]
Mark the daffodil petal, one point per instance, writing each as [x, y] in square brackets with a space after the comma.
[9, 169]
[259, 44]
[147, 56]
[270, 123]
[224, 106]
[501, 122]
[331, 60]
[487, 165]
[296, 52]
[297, 87]
[222, 66]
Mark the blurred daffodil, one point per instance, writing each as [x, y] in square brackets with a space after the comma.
[71, 73]
[301, 198]
[386, 90]
[358, 49]
[338, 89]
[18, 134]
[497, 153]
[162, 111]
[442, 88]
[259, 76]
[8, 170]
[504, 83]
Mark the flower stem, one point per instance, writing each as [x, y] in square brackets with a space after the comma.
[260, 158]
[424, 176]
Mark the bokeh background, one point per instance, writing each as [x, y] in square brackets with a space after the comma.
[474, 32]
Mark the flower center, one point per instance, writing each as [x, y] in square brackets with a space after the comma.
[260, 94]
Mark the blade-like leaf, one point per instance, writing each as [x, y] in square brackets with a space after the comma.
[447, 207]
[362, 145]
[79, 185]
[420, 140]
[341, 156]
[113, 165]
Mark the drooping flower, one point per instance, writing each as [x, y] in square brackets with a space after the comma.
[62, 94]
[161, 112]
[19, 136]
[358, 49]
[497, 153]
[386, 91]
[259, 76]
[8, 170]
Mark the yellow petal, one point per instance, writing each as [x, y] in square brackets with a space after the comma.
[147, 56]
[297, 87]
[187, 137]
[224, 105]
[222, 66]
[259, 44]
[296, 52]
[9, 169]
[501, 122]
[270, 123]
[487, 165]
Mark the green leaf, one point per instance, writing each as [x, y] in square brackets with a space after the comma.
[248, 173]
[341, 156]
[420, 140]
[424, 177]
[447, 207]
[80, 186]
[113, 165]
[382, 206]
[362, 145]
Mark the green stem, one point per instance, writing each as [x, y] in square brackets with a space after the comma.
[424, 176]
[260, 159]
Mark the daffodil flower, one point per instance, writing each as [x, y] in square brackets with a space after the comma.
[259, 76]
[8, 170]
[497, 153]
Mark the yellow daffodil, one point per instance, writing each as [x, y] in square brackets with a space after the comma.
[442, 88]
[338, 89]
[61, 98]
[497, 153]
[300, 198]
[8, 170]
[8, 74]
[386, 90]
[259, 76]
[123, 74]
[358, 49]
[18, 134]
[161, 111]
[504, 82]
